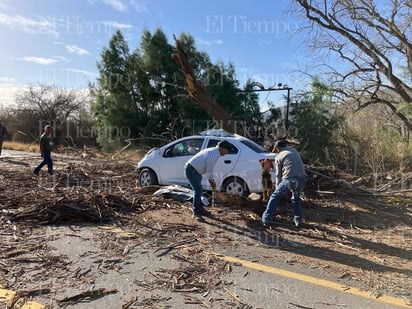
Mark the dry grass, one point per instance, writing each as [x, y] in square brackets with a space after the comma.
[132, 154]
[33, 147]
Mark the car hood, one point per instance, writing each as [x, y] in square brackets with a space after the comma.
[152, 152]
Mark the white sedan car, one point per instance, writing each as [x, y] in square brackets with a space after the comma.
[238, 172]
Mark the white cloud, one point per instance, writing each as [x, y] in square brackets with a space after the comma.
[212, 42]
[114, 24]
[39, 60]
[61, 58]
[73, 49]
[118, 5]
[8, 95]
[140, 6]
[42, 25]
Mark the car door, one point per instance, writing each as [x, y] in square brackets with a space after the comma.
[175, 157]
[224, 165]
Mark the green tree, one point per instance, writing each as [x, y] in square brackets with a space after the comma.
[315, 121]
[116, 97]
[161, 85]
[250, 113]
[141, 94]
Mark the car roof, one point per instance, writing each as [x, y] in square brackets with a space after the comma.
[217, 133]
[234, 137]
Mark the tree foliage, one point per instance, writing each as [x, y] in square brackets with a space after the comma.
[315, 122]
[115, 100]
[141, 94]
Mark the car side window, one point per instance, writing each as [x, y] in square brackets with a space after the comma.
[194, 145]
[213, 143]
[187, 147]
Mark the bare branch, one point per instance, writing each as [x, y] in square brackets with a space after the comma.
[375, 39]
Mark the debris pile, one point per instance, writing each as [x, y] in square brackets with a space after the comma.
[329, 180]
[52, 208]
[351, 227]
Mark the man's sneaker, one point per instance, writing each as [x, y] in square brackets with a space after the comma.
[36, 172]
[204, 212]
[298, 221]
[198, 217]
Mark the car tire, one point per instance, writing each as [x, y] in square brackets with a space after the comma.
[235, 186]
[147, 178]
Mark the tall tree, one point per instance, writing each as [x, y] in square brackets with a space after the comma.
[250, 113]
[315, 119]
[143, 92]
[116, 97]
[374, 40]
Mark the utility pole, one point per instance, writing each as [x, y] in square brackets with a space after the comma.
[279, 87]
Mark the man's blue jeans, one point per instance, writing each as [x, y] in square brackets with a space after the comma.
[295, 185]
[46, 160]
[195, 180]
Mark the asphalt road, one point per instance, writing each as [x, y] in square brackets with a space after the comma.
[257, 280]
[254, 284]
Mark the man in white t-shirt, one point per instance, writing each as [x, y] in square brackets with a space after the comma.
[200, 164]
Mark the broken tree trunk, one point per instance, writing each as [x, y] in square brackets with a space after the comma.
[199, 94]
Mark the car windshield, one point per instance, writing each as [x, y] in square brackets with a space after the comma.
[255, 147]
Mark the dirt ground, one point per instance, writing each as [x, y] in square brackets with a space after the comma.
[348, 232]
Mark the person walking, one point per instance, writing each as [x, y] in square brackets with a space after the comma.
[200, 164]
[3, 131]
[46, 146]
[290, 177]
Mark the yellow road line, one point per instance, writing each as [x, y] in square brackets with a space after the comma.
[313, 280]
[118, 231]
[6, 295]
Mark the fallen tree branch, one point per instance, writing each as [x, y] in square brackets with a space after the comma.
[89, 294]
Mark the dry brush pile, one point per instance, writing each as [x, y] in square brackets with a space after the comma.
[345, 216]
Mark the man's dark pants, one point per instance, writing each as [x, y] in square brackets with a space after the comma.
[47, 160]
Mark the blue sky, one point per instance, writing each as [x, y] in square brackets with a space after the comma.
[58, 42]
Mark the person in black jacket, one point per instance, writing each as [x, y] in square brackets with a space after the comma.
[46, 146]
[3, 131]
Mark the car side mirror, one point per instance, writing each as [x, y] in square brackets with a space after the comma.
[167, 153]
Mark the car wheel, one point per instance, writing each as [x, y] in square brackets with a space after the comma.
[147, 178]
[235, 186]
